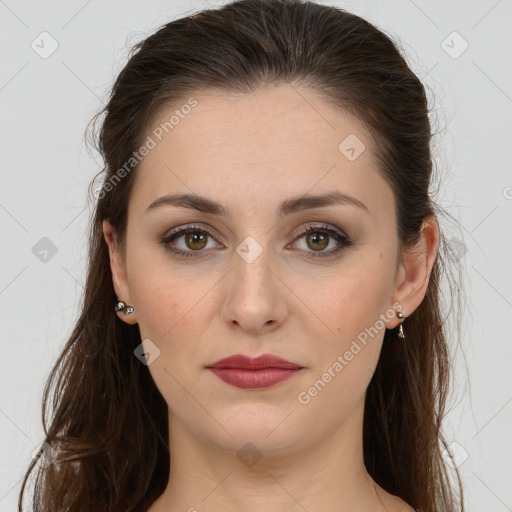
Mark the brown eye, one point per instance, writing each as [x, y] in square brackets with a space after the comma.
[317, 241]
[318, 238]
[196, 240]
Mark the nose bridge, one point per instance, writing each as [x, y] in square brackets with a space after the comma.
[252, 262]
[253, 299]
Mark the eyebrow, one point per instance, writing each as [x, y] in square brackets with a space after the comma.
[288, 206]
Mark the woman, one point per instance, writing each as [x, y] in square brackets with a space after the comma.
[261, 325]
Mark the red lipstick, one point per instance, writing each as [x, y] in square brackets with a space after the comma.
[254, 373]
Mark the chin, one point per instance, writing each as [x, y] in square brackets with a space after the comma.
[267, 428]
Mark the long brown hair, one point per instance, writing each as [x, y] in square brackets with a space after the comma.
[108, 423]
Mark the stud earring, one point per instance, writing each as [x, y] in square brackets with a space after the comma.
[401, 327]
[122, 307]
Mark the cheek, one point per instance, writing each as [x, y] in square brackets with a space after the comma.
[353, 299]
[173, 311]
[349, 321]
[347, 345]
[168, 306]
[174, 303]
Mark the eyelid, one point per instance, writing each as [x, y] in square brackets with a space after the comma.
[182, 230]
[333, 232]
[194, 226]
[314, 226]
[320, 226]
[303, 230]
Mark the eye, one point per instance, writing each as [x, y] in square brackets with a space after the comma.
[318, 238]
[194, 239]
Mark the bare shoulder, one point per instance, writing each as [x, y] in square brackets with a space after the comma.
[394, 503]
[399, 505]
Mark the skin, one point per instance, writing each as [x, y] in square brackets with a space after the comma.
[249, 153]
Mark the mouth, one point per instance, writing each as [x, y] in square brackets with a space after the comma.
[254, 373]
[254, 379]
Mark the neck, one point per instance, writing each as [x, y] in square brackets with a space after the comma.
[327, 475]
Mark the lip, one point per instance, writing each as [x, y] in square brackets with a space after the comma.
[254, 373]
[255, 363]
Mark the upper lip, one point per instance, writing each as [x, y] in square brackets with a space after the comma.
[258, 363]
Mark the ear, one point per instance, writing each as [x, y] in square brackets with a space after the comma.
[118, 269]
[415, 268]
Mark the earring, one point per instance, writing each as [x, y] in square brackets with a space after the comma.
[121, 306]
[401, 327]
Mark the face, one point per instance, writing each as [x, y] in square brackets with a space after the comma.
[253, 280]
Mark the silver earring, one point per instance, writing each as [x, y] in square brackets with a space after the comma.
[121, 306]
[401, 327]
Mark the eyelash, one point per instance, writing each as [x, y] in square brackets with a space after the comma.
[337, 235]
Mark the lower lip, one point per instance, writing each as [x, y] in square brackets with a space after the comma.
[254, 379]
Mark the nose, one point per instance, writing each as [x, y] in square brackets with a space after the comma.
[255, 295]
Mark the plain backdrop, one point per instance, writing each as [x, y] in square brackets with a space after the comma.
[57, 62]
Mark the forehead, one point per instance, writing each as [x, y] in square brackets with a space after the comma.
[275, 122]
[279, 140]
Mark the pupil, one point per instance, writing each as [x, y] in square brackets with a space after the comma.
[196, 238]
[317, 236]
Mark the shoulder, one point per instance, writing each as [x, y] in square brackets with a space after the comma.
[401, 506]
[394, 503]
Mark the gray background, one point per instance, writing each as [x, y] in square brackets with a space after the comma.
[45, 104]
